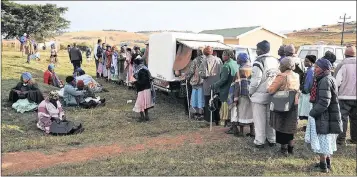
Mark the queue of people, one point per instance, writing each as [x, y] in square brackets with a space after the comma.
[272, 94]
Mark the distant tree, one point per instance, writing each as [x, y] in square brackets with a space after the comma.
[41, 21]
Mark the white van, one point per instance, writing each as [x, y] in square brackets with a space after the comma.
[250, 51]
[162, 55]
[320, 50]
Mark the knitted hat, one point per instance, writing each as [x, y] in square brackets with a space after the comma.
[311, 58]
[351, 51]
[281, 51]
[51, 66]
[288, 63]
[53, 95]
[324, 64]
[330, 57]
[242, 58]
[264, 46]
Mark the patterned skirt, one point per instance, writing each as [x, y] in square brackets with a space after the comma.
[245, 110]
[320, 144]
[144, 101]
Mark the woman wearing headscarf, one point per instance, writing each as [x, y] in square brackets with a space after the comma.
[108, 64]
[241, 97]
[71, 96]
[121, 65]
[285, 123]
[324, 122]
[209, 71]
[53, 56]
[114, 65]
[304, 100]
[225, 85]
[51, 78]
[51, 117]
[146, 94]
[26, 89]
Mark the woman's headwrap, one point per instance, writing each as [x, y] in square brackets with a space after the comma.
[53, 95]
[51, 67]
[26, 76]
[330, 57]
[208, 51]
[289, 50]
[281, 51]
[80, 84]
[228, 53]
[242, 58]
[311, 58]
[287, 63]
[324, 64]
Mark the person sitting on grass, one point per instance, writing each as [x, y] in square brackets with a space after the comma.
[26, 95]
[71, 96]
[51, 117]
[51, 78]
[88, 100]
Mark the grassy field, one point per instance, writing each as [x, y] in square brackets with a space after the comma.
[115, 144]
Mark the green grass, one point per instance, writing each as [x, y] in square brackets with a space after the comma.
[116, 124]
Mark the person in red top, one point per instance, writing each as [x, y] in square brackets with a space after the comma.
[51, 78]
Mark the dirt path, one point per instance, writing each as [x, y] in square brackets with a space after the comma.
[19, 162]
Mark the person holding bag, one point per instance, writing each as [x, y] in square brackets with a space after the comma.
[284, 105]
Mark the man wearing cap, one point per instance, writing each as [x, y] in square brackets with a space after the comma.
[346, 82]
[264, 70]
[75, 55]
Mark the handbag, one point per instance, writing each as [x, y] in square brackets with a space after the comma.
[283, 101]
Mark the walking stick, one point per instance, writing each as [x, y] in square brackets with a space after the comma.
[210, 128]
[188, 101]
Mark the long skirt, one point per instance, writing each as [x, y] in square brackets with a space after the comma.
[121, 71]
[320, 144]
[245, 110]
[304, 105]
[207, 112]
[105, 71]
[114, 76]
[224, 112]
[283, 138]
[144, 101]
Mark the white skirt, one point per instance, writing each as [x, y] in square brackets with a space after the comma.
[305, 106]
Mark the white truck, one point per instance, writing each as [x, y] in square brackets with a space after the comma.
[162, 55]
[320, 50]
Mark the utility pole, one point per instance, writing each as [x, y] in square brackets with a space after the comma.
[343, 26]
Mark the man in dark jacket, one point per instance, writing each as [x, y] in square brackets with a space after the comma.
[75, 55]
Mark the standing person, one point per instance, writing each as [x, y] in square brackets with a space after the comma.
[108, 61]
[299, 66]
[23, 40]
[197, 100]
[102, 62]
[105, 61]
[146, 94]
[114, 65]
[241, 97]
[225, 85]
[75, 56]
[346, 81]
[97, 51]
[209, 71]
[324, 123]
[304, 100]
[29, 49]
[53, 56]
[264, 70]
[285, 123]
[129, 67]
[68, 49]
[88, 53]
[281, 52]
[121, 65]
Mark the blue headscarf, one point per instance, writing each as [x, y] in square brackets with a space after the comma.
[242, 58]
[26, 76]
[51, 67]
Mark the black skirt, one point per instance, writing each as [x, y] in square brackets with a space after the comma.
[283, 138]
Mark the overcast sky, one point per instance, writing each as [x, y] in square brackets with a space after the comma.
[201, 15]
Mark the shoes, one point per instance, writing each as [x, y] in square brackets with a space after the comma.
[259, 146]
[291, 150]
[271, 144]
